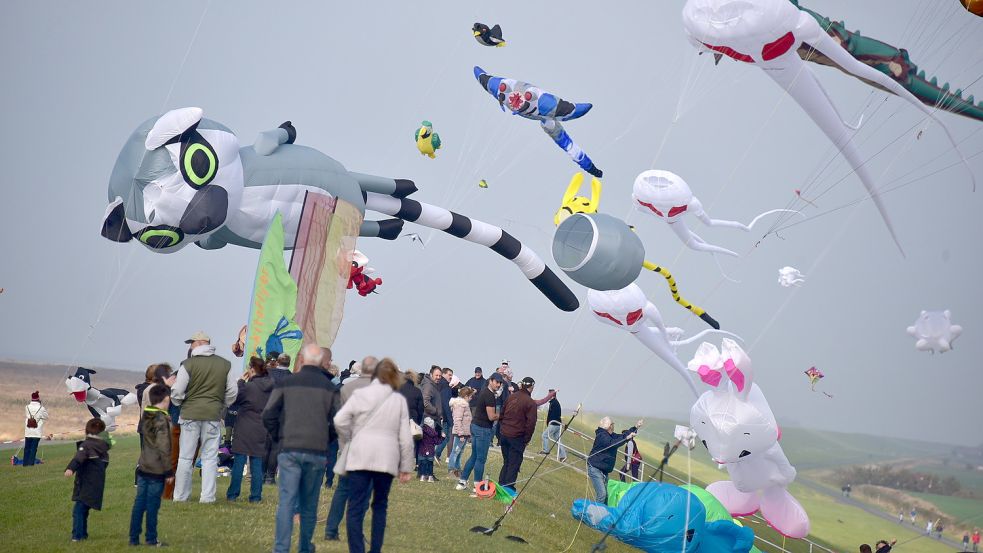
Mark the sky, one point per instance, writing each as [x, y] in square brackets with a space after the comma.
[357, 78]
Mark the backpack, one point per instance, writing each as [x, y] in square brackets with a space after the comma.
[31, 421]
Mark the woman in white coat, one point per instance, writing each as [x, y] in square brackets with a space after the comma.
[373, 429]
[34, 416]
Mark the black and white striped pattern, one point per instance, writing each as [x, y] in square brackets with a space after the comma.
[482, 233]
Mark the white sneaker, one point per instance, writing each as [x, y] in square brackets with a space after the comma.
[423, 479]
[430, 479]
[461, 485]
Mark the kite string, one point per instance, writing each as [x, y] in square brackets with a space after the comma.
[123, 268]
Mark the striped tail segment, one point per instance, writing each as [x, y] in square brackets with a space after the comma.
[482, 233]
[697, 310]
[556, 131]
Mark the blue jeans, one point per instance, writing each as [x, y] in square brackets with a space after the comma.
[80, 521]
[362, 483]
[147, 501]
[481, 440]
[255, 477]
[552, 434]
[300, 485]
[30, 450]
[332, 459]
[337, 511]
[457, 448]
[599, 480]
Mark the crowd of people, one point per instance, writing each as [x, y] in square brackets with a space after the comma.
[311, 428]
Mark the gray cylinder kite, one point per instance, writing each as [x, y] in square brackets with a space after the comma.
[599, 251]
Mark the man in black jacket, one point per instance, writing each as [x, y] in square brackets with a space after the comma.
[604, 454]
[300, 416]
[554, 426]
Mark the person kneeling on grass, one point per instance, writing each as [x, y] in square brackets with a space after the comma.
[154, 466]
[89, 468]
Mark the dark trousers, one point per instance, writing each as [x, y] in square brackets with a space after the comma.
[337, 511]
[363, 483]
[31, 451]
[149, 491]
[270, 459]
[80, 521]
[512, 449]
[332, 459]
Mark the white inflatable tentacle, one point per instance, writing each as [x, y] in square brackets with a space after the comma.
[801, 84]
[818, 39]
[701, 334]
[770, 212]
[694, 242]
[657, 343]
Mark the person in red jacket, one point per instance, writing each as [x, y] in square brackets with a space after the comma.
[517, 424]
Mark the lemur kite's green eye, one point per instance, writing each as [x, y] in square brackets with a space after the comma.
[198, 164]
[160, 237]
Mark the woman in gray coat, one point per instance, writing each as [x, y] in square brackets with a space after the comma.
[249, 434]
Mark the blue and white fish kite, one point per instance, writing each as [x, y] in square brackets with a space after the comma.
[531, 102]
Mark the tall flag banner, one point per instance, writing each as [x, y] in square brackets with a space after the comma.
[274, 304]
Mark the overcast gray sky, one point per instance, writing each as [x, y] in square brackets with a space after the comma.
[356, 78]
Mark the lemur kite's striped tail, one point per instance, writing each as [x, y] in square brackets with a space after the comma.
[482, 233]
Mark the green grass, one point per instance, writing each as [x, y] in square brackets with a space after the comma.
[959, 508]
[35, 513]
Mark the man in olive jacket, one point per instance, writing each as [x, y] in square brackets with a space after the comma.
[205, 387]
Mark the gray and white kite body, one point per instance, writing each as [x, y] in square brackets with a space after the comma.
[181, 178]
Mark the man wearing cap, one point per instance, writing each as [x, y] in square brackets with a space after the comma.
[205, 385]
[477, 382]
[517, 425]
[485, 414]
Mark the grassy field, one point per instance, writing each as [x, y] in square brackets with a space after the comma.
[35, 514]
[959, 508]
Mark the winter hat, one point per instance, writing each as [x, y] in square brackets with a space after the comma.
[427, 421]
[36, 396]
[455, 381]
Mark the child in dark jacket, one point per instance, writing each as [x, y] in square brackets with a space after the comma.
[89, 468]
[427, 450]
[154, 466]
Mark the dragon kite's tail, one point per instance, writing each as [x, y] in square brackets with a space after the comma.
[563, 140]
[697, 310]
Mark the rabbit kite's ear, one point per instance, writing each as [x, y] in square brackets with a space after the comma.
[573, 188]
[737, 364]
[707, 363]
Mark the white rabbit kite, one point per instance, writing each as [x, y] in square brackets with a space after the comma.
[629, 309]
[739, 430]
[667, 196]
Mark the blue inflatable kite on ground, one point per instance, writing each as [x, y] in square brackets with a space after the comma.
[663, 518]
[531, 102]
